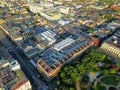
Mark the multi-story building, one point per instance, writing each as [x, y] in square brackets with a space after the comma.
[13, 80]
[51, 14]
[29, 48]
[112, 45]
[11, 75]
[63, 9]
[4, 57]
[61, 53]
[35, 8]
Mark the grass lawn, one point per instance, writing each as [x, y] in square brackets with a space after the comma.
[99, 86]
[111, 80]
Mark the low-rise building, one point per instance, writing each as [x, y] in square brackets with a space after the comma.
[4, 57]
[99, 7]
[29, 48]
[51, 14]
[46, 38]
[11, 75]
[35, 8]
[63, 9]
[13, 80]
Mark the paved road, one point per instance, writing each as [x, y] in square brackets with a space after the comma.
[32, 76]
[4, 40]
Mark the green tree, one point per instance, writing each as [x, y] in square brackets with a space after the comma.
[107, 1]
[71, 88]
[118, 64]
[70, 74]
[58, 83]
[89, 30]
[106, 72]
[112, 71]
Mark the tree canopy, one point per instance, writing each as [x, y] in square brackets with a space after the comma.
[72, 73]
[107, 1]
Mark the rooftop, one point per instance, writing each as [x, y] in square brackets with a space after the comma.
[11, 79]
[115, 39]
[63, 43]
[61, 49]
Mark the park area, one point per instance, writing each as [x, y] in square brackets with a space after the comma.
[72, 73]
[109, 82]
[93, 67]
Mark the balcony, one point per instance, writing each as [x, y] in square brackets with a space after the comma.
[40, 62]
[53, 66]
[69, 56]
[43, 65]
[80, 48]
[61, 61]
[48, 70]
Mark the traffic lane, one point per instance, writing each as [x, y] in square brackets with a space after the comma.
[34, 75]
[23, 65]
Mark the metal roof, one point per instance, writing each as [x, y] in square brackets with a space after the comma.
[63, 43]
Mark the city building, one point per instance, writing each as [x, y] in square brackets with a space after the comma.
[51, 14]
[98, 6]
[4, 57]
[63, 9]
[13, 80]
[63, 44]
[14, 32]
[11, 75]
[52, 33]
[64, 21]
[46, 38]
[112, 45]
[29, 48]
[60, 53]
[38, 7]
[35, 8]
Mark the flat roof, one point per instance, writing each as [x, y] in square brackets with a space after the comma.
[11, 79]
[40, 29]
[115, 39]
[64, 43]
[51, 55]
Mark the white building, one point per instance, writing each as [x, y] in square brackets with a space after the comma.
[111, 49]
[57, 2]
[49, 36]
[63, 9]
[35, 8]
[46, 4]
[15, 65]
[112, 45]
[63, 43]
[51, 14]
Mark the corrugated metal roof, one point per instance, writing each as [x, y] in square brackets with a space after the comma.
[64, 43]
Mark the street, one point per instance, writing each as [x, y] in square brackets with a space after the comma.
[31, 74]
[25, 66]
